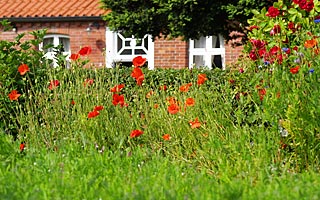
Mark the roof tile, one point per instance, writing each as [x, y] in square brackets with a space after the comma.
[50, 8]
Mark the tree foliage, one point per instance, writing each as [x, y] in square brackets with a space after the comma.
[189, 19]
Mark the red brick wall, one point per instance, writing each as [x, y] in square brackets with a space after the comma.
[170, 53]
[79, 37]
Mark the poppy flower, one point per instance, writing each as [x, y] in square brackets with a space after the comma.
[93, 114]
[140, 79]
[295, 70]
[118, 99]
[117, 88]
[173, 108]
[73, 102]
[273, 12]
[149, 94]
[22, 147]
[53, 84]
[185, 87]
[171, 100]
[310, 43]
[23, 69]
[156, 106]
[98, 108]
[195, 124]
[74, 56]
[14, 95]
[136, 133]
[190, 102]
[88, 82]
[166, 137]
[138, 75]
[85, 51]
[262, 93]
[139, 61]
[201, 79]
[163, 87]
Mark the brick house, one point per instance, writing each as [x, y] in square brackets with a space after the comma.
[78, 23]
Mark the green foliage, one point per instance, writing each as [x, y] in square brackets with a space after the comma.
[12, 55]
[174, 18]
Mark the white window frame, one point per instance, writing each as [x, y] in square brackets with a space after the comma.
[113, 56]
[207, 52]
[56, 41]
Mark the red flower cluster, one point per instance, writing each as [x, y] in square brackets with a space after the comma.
[14, 95]
[136, 133]
[118, 99]
[95, 111]
[117, 88]
[273, 12]
[23, 69]
[201, 79]
[185, 87]
[304, 4]
[295, 69]
[138, 75]
[82, 52]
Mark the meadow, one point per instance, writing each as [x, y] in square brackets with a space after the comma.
[251, 131]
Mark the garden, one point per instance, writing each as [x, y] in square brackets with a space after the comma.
[251, 131]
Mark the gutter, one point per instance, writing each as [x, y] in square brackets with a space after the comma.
[52, 19]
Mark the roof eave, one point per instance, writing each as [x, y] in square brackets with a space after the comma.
[52, 19]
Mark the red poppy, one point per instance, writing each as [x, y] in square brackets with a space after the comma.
[136, 133]
[117, 88]
[156, 106]
[53, 84]
[22, 147]
[73, 102]
[85, 51]
[310, 43]
[295, 70]
[185, 87]
[23, 69]
[118, 99]
[163, 87]
[93, 114]
[14, 95]
[138, 75]
[201, 79]
[171, 100]
[149, 94]
[190, 102]
[139, 61]
[98, 108]
[273, 12]
[88, 82]
[166, 137]
[173, 108]
[262, 93]
[195, 123]
[74, 56]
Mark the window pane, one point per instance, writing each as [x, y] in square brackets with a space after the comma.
[65, 43]
[198, 61]
[216, 61]
[46, 43]
[200, 43]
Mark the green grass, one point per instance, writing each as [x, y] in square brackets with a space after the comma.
[233, 155]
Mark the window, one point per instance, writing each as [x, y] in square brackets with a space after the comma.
[208, 52]
[62, 47]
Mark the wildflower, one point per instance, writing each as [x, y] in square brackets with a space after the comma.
[22, 147]
[291, 27]
[252, 55]
[251, 28]
[72, 102]
[273, 12]
[93, 114]
[163, 87]
[74, 56]
[190, 102]
[185, 87]
[171, 100]
[166, 137]
[311, 71]
[53, 84]
[262, 93]
[85, 51]
[317, 21]
[88, 82]
[23, 69]
[98, 108]
[295, 70]
[149, 94]
[118, 99]
[201, 79]
[156, 106]
[241, 70]
[310, 43]
[136, 133]
[138, 75]
[139, 61]
[117, 88]
[173, 108]
[195, 124]
[14, 95]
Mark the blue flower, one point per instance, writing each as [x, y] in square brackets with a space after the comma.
[317, 21]
[311, 70]
[266, 62]
[285, 49]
